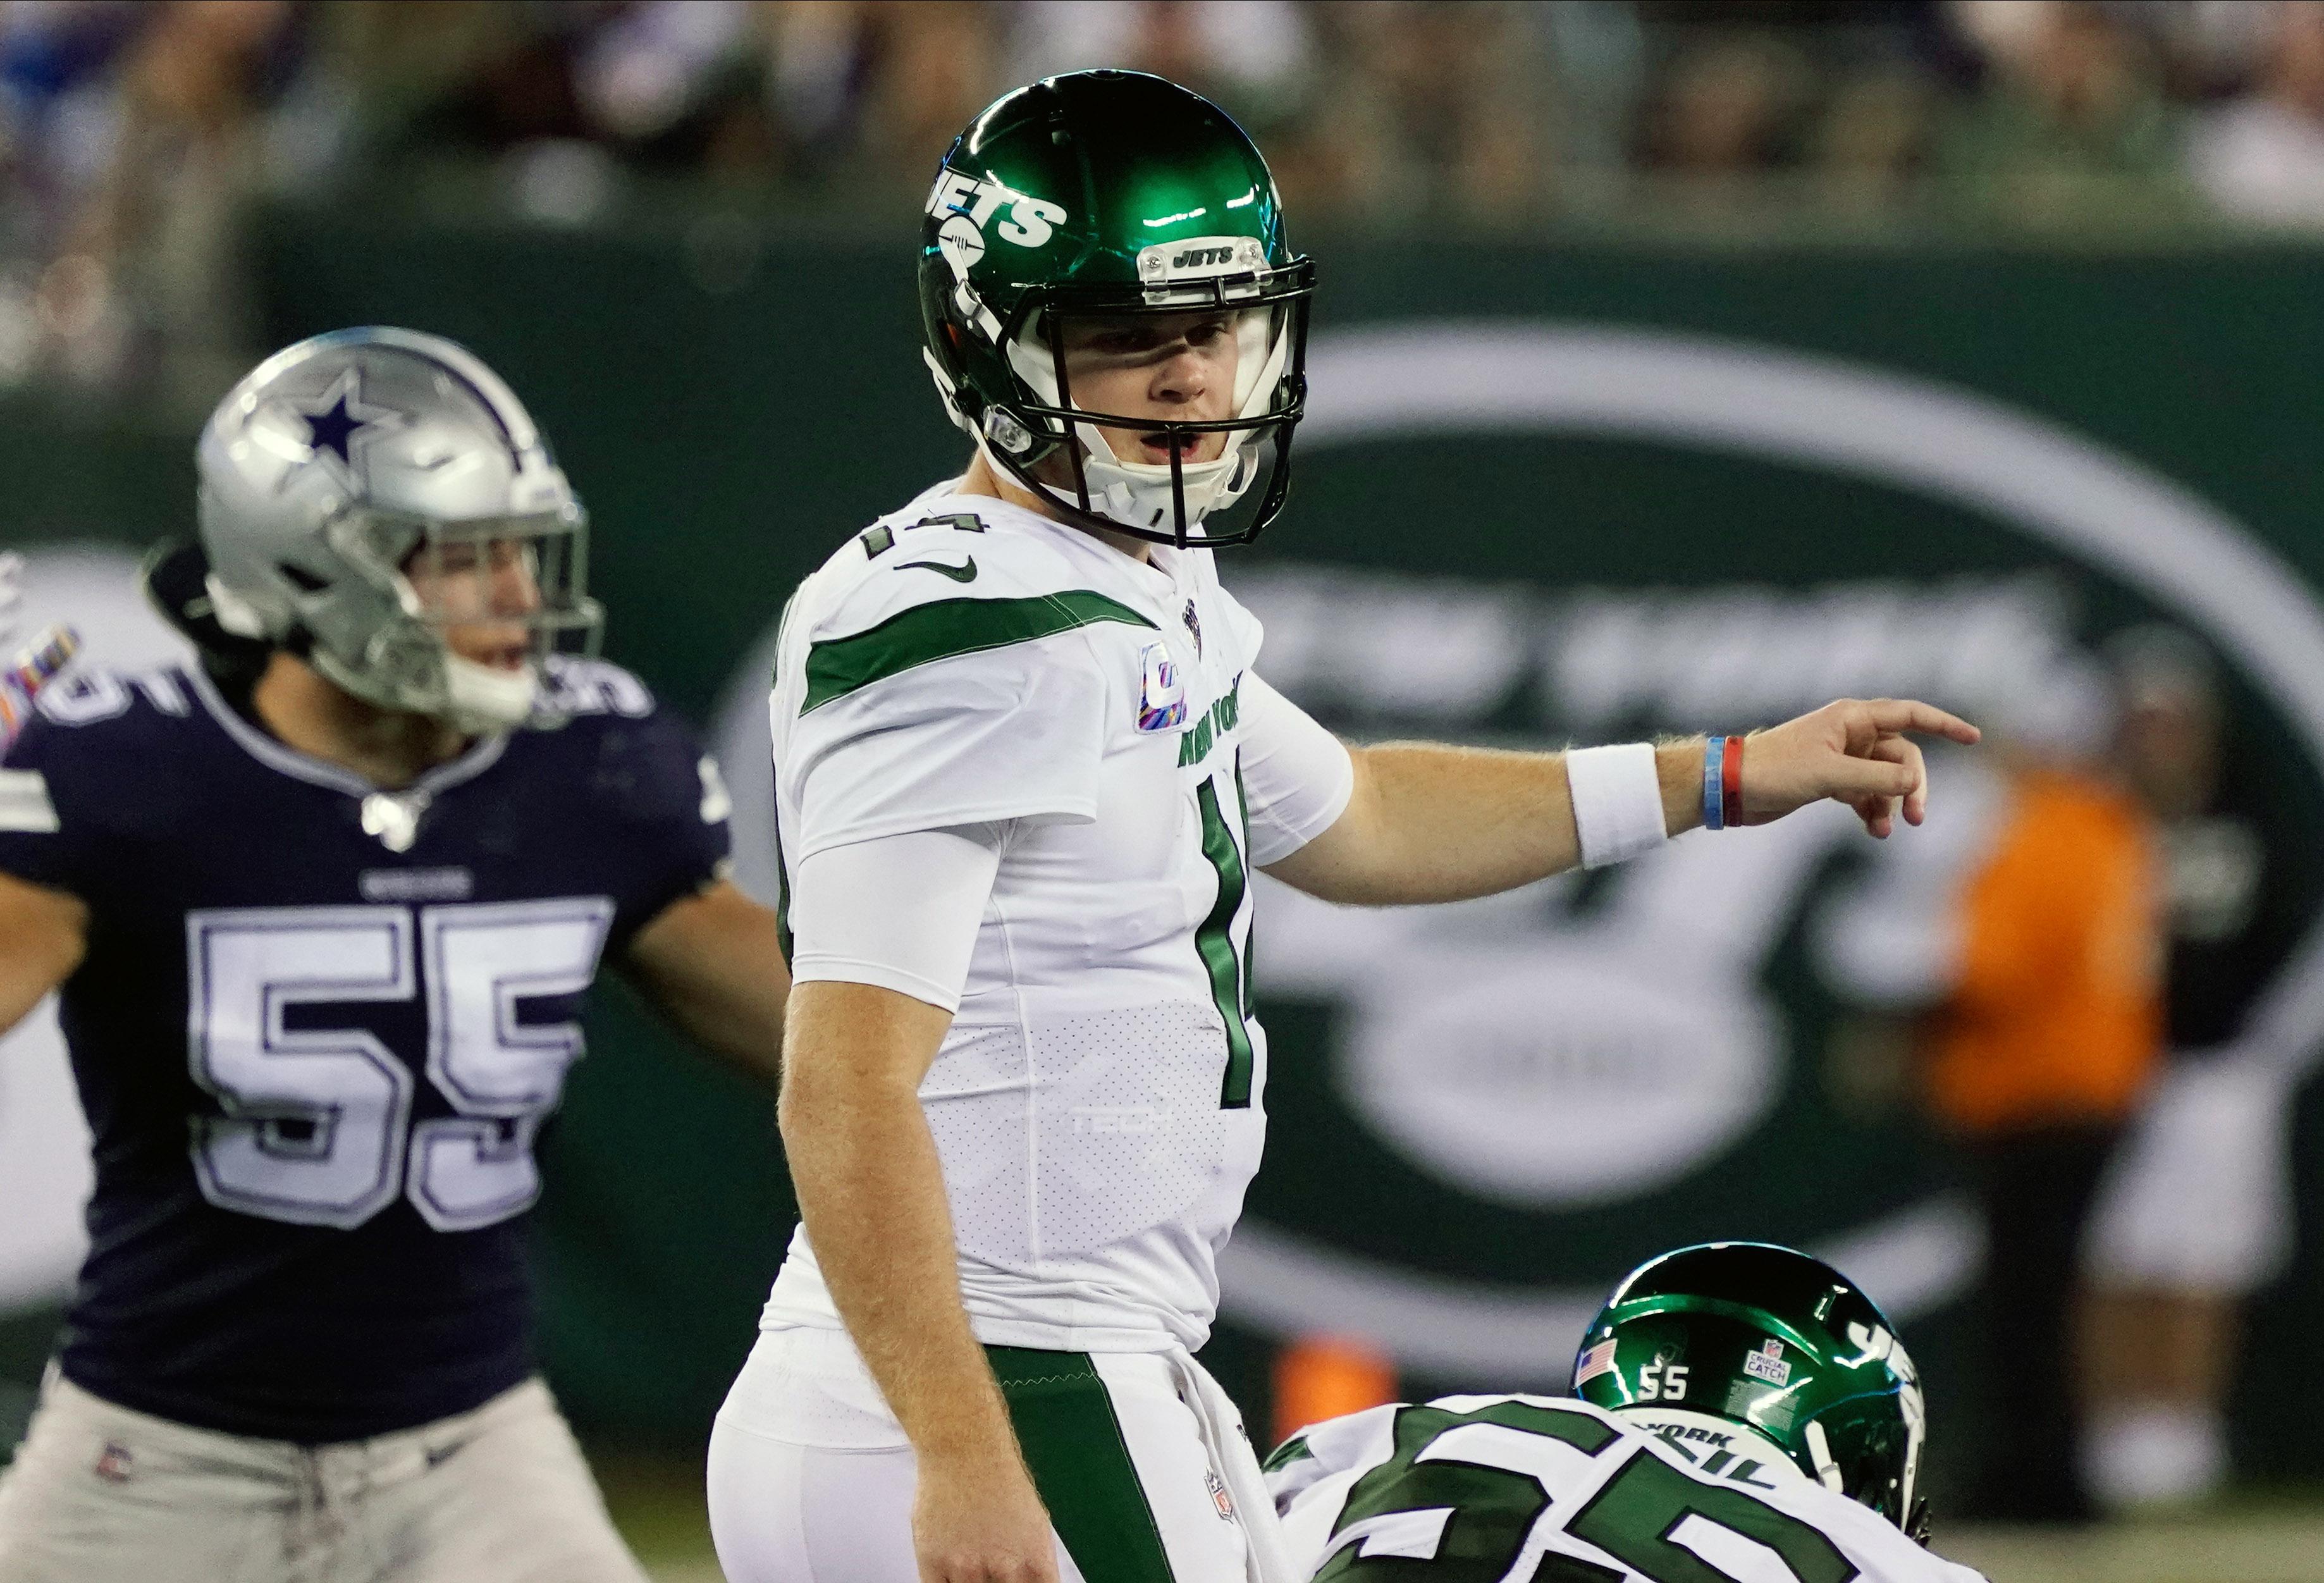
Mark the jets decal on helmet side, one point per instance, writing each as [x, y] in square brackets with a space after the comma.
[1031, 220]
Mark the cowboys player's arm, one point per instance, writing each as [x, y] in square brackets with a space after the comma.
[712, 963]
[1430, 822]
[43, 933]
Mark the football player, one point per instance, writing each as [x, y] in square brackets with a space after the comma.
[1025, 766]
[323, 909]
[1739, 1411]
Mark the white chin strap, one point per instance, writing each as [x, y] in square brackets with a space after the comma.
[235, 613]
[1138, 495]
[485, 699]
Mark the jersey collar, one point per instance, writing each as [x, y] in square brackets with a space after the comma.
[284, 759]
[1158, 581]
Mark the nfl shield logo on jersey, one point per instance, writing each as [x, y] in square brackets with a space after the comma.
[1162, 702]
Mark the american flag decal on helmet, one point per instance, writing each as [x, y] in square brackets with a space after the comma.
[1598, 1360]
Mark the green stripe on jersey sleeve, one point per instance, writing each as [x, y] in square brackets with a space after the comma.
[944, 628]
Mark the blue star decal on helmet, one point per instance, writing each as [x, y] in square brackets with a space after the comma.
[339, 428]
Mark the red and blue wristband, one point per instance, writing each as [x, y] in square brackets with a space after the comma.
[1723, 782]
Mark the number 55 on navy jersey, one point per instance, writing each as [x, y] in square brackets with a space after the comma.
[318, 1028]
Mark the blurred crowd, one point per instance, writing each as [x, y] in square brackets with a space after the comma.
[133, 136]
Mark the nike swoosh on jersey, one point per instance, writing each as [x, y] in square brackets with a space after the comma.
[965, 573]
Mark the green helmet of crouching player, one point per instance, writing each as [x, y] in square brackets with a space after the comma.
[1101, 195]
[1782, 1344]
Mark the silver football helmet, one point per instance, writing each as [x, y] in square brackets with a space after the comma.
[368, 493]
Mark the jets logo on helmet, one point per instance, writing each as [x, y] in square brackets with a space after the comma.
[1208, 255]
[977, 199]
[1101, 198]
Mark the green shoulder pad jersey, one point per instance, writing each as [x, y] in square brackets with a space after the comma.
[1540, 1489]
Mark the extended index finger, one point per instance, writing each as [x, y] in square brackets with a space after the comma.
[1905, 714]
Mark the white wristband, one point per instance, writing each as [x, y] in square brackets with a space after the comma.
[1617, 801]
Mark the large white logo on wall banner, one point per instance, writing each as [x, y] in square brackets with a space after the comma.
[1603, 1027]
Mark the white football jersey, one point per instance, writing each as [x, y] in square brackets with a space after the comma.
[1098, 1102]
[1515, 1489]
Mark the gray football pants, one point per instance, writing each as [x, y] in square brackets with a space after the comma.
[98, 1494]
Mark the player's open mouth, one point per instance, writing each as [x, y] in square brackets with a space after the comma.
[1159, 447]
[504, 657]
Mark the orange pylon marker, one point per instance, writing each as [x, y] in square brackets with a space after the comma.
[1320, 1376]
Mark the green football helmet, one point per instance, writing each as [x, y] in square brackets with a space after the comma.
[1779, 1343]
[1098, 196]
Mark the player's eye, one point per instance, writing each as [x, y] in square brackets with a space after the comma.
[1123, 342]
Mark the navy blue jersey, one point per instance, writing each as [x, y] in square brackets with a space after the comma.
[319, 1026]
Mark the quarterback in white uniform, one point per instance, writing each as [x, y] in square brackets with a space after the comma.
[1749, 1415]
[1025, 764]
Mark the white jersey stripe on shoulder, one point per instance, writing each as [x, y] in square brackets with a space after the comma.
[1413, 1535]
[25, 806]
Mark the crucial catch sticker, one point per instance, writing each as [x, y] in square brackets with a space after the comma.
[1768, 1364]
[1162, 699]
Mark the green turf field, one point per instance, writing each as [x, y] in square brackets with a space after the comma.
[2274, 1538]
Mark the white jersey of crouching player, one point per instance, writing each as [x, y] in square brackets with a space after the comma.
[1738, 1412]
[1025, 764]
[1495, 1487]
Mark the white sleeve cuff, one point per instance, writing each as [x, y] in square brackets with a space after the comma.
[898, 912]
[1617, 801]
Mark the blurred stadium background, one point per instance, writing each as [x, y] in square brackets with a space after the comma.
[1676, 364]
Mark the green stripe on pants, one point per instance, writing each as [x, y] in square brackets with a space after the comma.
[1081, 1465]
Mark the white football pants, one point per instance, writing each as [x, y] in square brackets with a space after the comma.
[2200, 1198]
[98, 1494]
[811, 1478]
